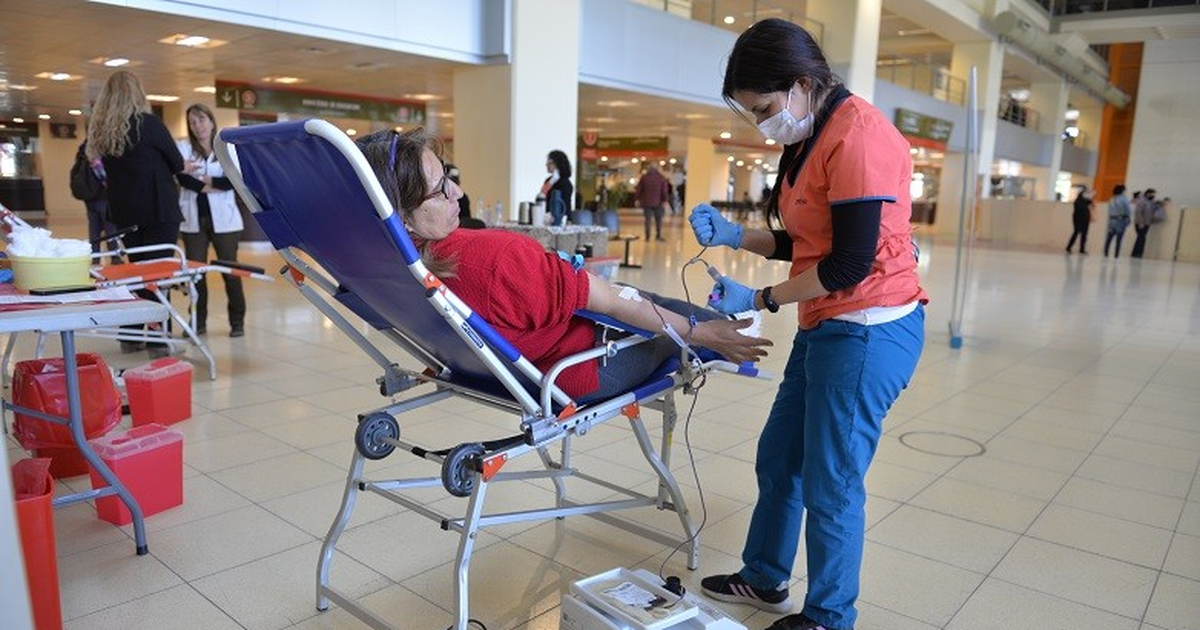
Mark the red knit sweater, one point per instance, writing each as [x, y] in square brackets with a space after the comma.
[528, 295]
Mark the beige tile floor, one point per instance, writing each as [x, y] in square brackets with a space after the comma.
[1078, 378]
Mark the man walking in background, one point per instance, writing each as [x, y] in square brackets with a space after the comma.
[652, 195]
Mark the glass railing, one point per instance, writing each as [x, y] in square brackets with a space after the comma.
[737, 15]
[1075, 7]
[923, 77]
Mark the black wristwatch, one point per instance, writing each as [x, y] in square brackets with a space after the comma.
[771, 305]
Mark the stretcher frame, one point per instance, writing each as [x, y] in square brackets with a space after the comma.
[272, 169]
[158, 275]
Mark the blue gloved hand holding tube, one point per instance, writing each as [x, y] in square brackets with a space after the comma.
[730, 296]
[713, 229]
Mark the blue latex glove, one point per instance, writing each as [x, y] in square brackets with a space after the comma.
[575, 260]
[713, 229]
[730, 296]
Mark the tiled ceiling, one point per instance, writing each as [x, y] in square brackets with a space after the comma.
[63, 35]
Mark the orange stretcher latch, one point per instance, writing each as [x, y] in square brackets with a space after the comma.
[493, 464]
[631, 411]
[567, 411]
[431, 281]
[297, 275]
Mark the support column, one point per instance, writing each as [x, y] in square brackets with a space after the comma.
[850, 40]
[705, 176]
[1049, 99]
[988, 57]
[508, 118]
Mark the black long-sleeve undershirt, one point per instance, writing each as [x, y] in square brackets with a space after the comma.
[855, 239]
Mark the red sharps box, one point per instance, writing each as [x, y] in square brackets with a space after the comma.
[159, 392]
[149, 462]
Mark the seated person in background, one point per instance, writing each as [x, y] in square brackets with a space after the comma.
[464, 204]
[529, 295]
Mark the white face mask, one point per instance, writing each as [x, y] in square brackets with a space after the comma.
[783, 126]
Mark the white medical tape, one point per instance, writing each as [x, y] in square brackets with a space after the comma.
[630, 293]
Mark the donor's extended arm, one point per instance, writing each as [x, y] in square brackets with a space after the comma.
[720, 335]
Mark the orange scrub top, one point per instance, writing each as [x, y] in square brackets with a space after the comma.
[858, 156]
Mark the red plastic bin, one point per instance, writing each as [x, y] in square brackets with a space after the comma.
[34, 491]
[159, 392]
[149, 462]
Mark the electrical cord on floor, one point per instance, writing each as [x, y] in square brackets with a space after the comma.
[471, 621]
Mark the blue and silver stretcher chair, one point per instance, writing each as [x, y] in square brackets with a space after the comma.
[317, 199]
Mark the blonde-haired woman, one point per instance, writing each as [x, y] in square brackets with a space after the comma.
[140, 160]
[210, 215]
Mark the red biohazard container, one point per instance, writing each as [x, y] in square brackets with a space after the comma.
[34, 490]
[65, 461]
[160, 392]
[149, 462]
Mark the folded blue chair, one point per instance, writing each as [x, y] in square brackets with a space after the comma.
[314, 194]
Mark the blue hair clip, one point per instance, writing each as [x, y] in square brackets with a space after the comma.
[392, 151]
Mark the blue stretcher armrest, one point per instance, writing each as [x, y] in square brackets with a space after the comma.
[605, 320]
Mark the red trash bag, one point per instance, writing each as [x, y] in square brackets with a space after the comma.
[34, 491]
[41, 384]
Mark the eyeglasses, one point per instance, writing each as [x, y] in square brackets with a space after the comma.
[440, 189]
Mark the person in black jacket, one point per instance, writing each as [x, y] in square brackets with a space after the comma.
[557, 191]
[140, 162]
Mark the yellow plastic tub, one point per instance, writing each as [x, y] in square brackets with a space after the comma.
[48, 273]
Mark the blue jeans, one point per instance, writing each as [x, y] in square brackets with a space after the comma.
[813, 454]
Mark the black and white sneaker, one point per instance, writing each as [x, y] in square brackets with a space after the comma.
[733, 589]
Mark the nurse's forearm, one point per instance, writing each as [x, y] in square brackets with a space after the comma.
[805, 286]
[759, 241]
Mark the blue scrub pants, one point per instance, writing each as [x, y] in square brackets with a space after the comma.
[813, 454]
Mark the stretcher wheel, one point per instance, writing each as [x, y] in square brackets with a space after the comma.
[370, 436]
[457, 476]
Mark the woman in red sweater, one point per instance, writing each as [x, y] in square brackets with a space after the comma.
[529, 294]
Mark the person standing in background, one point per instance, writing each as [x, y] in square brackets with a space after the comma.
[1118, 220]
[1143, 216]
[97, 207]
[557, 191]
[210, 216]
[140, 162]
[652, 194]
[1081, 216]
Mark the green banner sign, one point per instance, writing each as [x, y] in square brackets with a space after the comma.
[628, 146]
[926, 130]
[248, 97]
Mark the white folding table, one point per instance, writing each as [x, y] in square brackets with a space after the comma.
[65, 320]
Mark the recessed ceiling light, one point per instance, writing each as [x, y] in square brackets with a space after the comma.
[205, 89]
[693, 116]
[443, 114]
[57, 76]
[913, 31]
[729, 159]
[18, 120]
[770, 141]
[617, 103]
[603, 158]
[75, 112]
[725, 135]
[286, 80]
[741, 162]
[192, 41]
[729, 19]
[672, 160]
[422, 97]
[21, 86]
[758, 160]
[634, 160]
[44, 116]
[351, 132]
[161, 98]
[111, 62]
